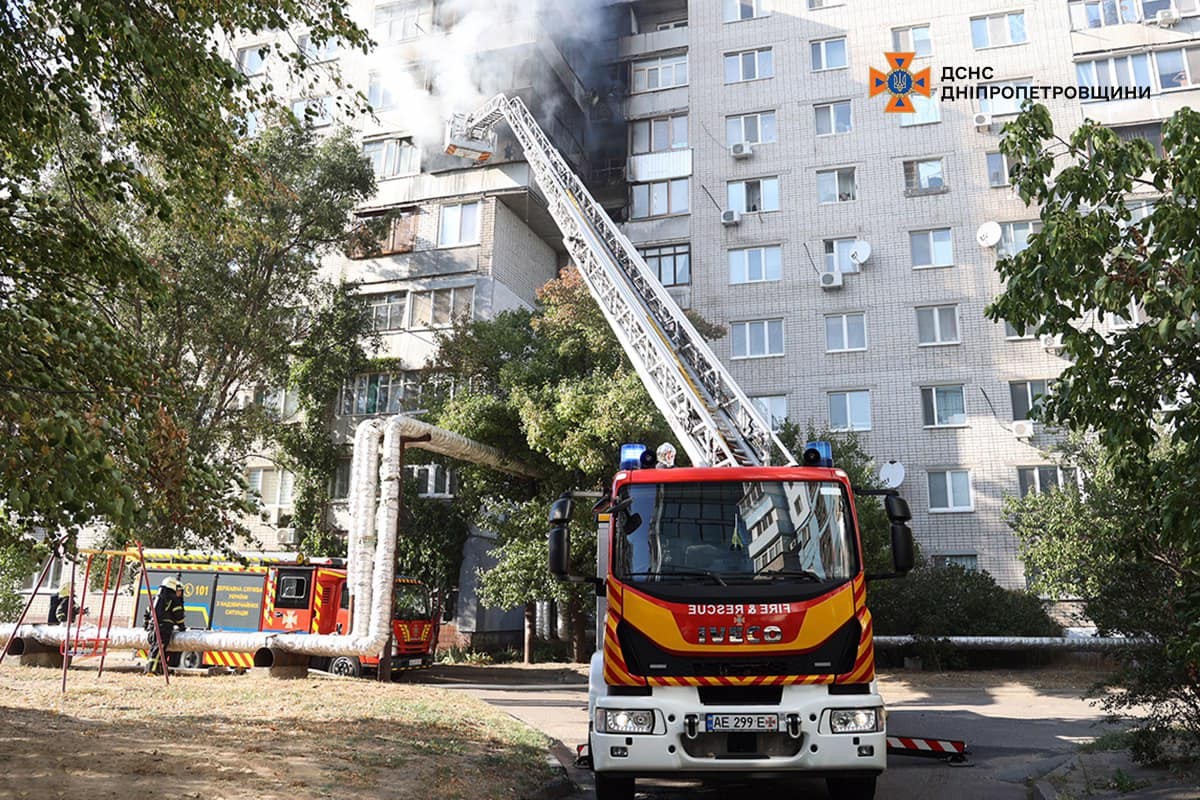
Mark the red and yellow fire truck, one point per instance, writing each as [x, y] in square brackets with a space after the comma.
[288, 594]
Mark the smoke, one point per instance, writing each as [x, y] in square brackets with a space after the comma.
[469, 50]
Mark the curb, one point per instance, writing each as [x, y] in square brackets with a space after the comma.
[1043, 788]
[567, 777]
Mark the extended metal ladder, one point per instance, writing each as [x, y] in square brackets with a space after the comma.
[713, 418]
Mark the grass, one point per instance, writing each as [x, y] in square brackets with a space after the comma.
[123, 736]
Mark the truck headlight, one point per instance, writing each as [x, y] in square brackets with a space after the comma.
[855, 720]
[622, 720]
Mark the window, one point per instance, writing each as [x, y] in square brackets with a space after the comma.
[395, 23]
[399, 237]
[997, 169]
[52, 580]
[757, 339]
[251, 61]
[773, 407]
[833, 118]
[913, 39]
[1096, 13]
[380, 393]
[736, 10]
[657, 135]
[254, 481]
[850, 411]
[380, 93]
[316, 111]
[967, 561]
[326, 51]
[1014, 236]
[761, 194]
[459, 225]
[845, 333]
[671, 25]
[926, 111]
[660, 73]
[937, 325]
[829, 54]
[950, 490]
[1132, 70]
[671, 263]
[749, 65]
[439, 307]
[660, 198]
[1045, 478]
[815, 4]
[286, 483]
[943, 406]
[836, 185]
[1149, 131]
[931, 248]
[997, 30]
[1150, 8]
[754, 264]
[837, 255]
[997, 104]
[1010, 332]
[341, 480]
[392, 158]
[292, 591]
[924, 176]
[1025, 397]
[754, 128]
[387, 310]
[432, 480]
[1177, 68]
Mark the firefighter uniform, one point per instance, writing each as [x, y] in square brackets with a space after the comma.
[62, 607]
[168, 609]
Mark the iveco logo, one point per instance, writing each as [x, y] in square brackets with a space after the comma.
[736, 634]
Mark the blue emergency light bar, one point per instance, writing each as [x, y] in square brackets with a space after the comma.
[631, 455]
[818, 454]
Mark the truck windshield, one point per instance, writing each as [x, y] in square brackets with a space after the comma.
[412, 601]
[798, 530]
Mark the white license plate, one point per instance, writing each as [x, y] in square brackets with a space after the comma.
[750, 723]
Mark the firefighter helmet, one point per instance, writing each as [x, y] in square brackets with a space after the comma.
[64, 589]
[174, 584]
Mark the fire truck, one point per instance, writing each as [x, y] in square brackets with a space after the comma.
[733, 631]
[288, 594]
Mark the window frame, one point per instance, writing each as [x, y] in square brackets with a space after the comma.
[738, 56]
[759, 115]
[835, 266]
[658, 64]
[912, 176]
[759, 9]
[845, 326]
[672, 190]
[386, 300]
[670, 120]
[910, 47]
[459, 241]
[659, 252]
[820, 46]
[453, 305]
[1008, 229]
[836, 172]
[766, 338]
[1007, 28]
[933, 394]
[409, 18]
[933, 263]
[1006, 169]
[767, 412]
[400, 157]
[1004, 111]
[1066, 476]
[918, 117]
[943, 560]
[762, 194]
[1031, 400]
[764, 262]
[950, 509]
[937, 325]
[258, 50]
[831, 106]
[845, 394]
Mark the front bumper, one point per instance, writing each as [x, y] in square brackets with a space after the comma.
[671, 751]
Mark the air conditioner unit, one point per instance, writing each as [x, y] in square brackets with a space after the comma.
[730, 218]
[983, 120]
[1022, 429]
[741, 150]
[1051, 342]
[1166, 17]
[831, 280]
[289, 536]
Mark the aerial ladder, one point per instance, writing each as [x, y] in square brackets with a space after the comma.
[714, 420]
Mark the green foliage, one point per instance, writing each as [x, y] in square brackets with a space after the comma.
[98, 427]
[951, 601]
[849, 456]
[18, 560]
[1132, 389]
[430, 545]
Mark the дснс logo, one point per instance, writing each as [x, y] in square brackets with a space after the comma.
[900, 83]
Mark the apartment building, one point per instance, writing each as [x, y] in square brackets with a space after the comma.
[758, 167]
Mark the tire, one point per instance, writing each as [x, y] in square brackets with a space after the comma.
[859, 787]
[611, 787]
[192, 660]
[346, 666]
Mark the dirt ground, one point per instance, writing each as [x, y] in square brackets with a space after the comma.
[122, 735]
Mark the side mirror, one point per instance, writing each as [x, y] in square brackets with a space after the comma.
[560, 511]
[559, 552]
[903, 553]
[896, 508]
[449, 605]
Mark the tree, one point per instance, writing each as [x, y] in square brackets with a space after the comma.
[94, 429]
[1133, 389]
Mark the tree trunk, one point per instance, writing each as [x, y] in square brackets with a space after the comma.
[577, 619]
[530, 629]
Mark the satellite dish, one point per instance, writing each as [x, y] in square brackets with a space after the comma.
[988, 234]
[892, 474]
[860, 251]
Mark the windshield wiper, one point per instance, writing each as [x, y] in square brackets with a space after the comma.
[791, 573]
[681, 572]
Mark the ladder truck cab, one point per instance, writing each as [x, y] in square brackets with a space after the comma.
[733, 635]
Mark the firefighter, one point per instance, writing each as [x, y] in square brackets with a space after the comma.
[62, 608]
[168, 609]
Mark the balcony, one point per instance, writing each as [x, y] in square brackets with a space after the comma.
[660, 166]
[642, 44]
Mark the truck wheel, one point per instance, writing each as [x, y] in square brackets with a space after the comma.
[192, 660]
[609, 787]
[856, 788]
[346, 666]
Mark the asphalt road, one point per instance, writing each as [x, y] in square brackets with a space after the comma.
[1014, 733]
